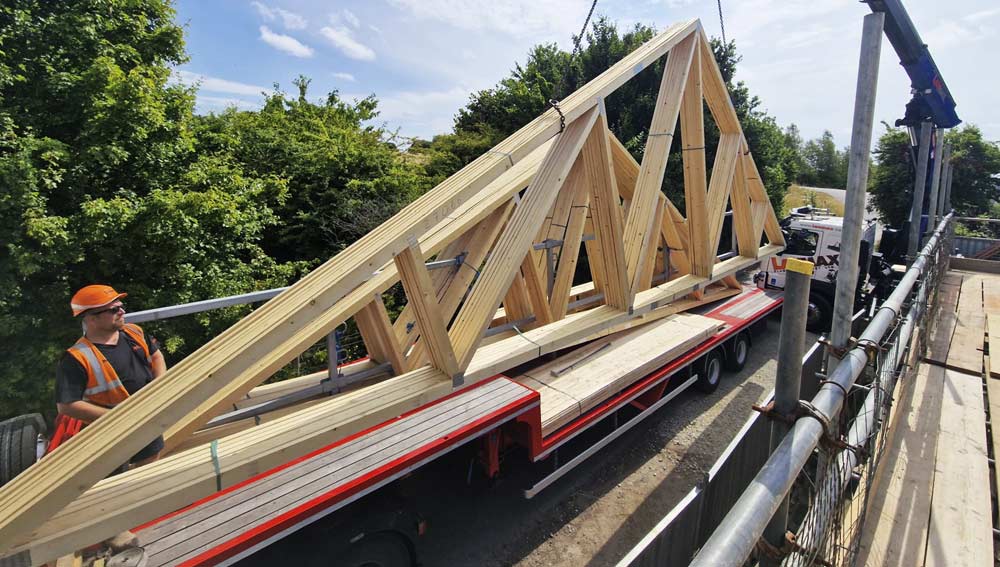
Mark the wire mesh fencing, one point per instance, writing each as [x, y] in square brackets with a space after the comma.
[832, 494]
[832, 491]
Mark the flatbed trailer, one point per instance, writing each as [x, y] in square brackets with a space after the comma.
[237, 522]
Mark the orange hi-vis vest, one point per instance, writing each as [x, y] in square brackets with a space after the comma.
[103, 386]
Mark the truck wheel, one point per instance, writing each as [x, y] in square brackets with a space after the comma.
[710, 372]
[819, 314]
[19, 444]
[739, 352]
[382, 549]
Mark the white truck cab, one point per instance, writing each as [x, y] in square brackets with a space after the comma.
[814, 234]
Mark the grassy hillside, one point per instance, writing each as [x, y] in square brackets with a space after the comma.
[798, 196]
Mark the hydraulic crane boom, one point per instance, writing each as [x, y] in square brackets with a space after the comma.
[931, 98]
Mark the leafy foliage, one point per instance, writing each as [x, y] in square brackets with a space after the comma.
[549, 73]
[824, 164]
[345, 179]
[975, 177]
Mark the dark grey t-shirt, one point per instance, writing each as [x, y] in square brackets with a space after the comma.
[126, 358]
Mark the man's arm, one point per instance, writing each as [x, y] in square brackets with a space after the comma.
[82, 410]
[159, 365]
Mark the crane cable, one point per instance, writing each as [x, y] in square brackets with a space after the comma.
[722, 24]
[569, 63]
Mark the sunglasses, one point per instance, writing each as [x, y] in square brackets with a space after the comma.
[115, 309]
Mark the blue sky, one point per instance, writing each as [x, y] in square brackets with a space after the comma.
[422, 58]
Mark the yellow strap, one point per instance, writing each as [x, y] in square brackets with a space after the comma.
[800, 266]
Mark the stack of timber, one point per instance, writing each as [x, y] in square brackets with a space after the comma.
[564, 178]
[576, 382]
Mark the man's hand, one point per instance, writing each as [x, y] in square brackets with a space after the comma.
[82, 410]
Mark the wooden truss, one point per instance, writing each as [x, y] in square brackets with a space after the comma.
[574, 189]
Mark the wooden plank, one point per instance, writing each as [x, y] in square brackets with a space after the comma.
[899, 513]
[993, 331]
[569, 252]
[993, 393]
[672, 228]
[405, 327]
[480, 241]
[516, 303]
[593, 257]
[535, 284]
[420, 293]
[650, 255]
[589, 375]
[376, 331]
[126, 500]
[715, 91]
[640, 233]
[960, 530]
[719, 187]
[695, 176]
[241, 511]
[966, 351]
[760, 203]
[747, 235]
[941, 334]
[513, 244]
[607, 215]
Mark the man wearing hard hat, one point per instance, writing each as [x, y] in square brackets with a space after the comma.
[111, 361]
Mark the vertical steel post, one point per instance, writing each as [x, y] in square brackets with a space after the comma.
[943, 189]
[788, 380]
[857, 178]
[333, 356]
[947, 181]
[917, 209]
[935, 180]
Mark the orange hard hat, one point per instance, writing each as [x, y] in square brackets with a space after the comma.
[93, 297]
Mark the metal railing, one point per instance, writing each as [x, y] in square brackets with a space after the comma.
[825, 463]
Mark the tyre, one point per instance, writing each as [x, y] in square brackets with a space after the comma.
[19, 444]
[381, 549]
[710, 372]
[819, 313]
[738, 353]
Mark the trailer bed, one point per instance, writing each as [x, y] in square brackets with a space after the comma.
[233, 523]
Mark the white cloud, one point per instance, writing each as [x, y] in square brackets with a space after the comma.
[217, 85]
[285, 43]
[350, 18]
[290, 20]
[969, 28]
[345, 76]
[522, 18]
[343, 39]
[419, 113]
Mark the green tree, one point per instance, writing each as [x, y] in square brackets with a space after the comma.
[825, 165]
[101, 184]
[343, 178]
[975, 176]
[549, 73]
[890, 183]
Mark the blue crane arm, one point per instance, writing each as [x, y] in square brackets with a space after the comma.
[931, 98]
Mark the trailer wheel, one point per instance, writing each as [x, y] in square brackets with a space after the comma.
[710, 372]
[819, 313]
[381, 549]
[739, 352]
[19, 444]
